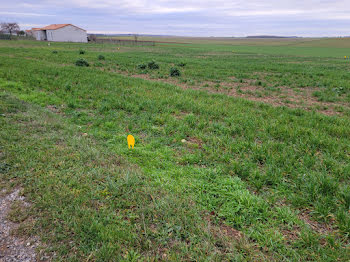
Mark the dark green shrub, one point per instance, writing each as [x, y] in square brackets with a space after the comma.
[81, 51]
[153, 65]
[142, 66]
[54, 52]
[174, 72]
[182, 64]
[101, 57]
[81, 62]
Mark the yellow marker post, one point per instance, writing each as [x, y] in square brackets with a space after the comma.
[131, 141]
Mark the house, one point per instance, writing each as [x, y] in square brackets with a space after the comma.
[60, 33]
[38, 34]
[29, 33]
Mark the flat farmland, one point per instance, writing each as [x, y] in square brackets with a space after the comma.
[242, 148]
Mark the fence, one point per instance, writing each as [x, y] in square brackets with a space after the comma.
[123, 42]
[5, 37]
[15, 37]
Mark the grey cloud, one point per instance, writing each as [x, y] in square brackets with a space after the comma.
[191, 17]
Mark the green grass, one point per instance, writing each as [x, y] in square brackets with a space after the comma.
[322, 68]
[265, 171]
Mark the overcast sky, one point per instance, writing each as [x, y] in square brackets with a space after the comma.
[186, 17]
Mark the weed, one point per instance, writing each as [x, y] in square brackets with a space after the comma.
[174, 72]
[142, 66]
[81, 62]
[68, 88]
[153, 65]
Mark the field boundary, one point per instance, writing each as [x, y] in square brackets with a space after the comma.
[124, 42]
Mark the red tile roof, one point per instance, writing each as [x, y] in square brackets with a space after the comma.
[57, 26]
[54, 26]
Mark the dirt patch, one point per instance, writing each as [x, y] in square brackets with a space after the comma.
[320, 228]
[180, 115]
[12, 246]
[194, 141]
[291, 235]
[230, 232]
[228, 238]
[53, 109]
[221, 229]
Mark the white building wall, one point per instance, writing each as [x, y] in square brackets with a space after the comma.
[39, 35]
[67, 34]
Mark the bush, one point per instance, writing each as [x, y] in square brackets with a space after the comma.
[81, 62]
[174, 72]
[54, 52]
[182, 64]
[101, 57]
[81, 51]
[153, 65]
[142, 66]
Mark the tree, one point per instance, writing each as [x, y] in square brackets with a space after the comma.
[9, 27]
[136, 37]
[21, 33]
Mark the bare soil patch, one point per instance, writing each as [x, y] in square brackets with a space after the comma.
[320, 228]
[291, 235]
[15, 247]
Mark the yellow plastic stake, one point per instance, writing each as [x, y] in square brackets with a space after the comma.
[131, 141]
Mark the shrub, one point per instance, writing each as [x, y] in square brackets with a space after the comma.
[142, 66]
[153, 65]
[54, 52]
[174, 72]
[182, 64]
[81, 51]
[81, 62]
[101, 57]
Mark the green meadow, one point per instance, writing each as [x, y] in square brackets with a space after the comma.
[242, 155]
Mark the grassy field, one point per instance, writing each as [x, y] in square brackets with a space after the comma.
[244, 156]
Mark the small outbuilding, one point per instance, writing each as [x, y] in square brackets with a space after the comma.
[60, 33]
[38, 34]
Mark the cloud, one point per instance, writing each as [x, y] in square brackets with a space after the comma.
[23, 14]
[188, 17]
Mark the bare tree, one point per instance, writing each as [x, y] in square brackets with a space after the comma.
[9, 27]
[136, 37]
